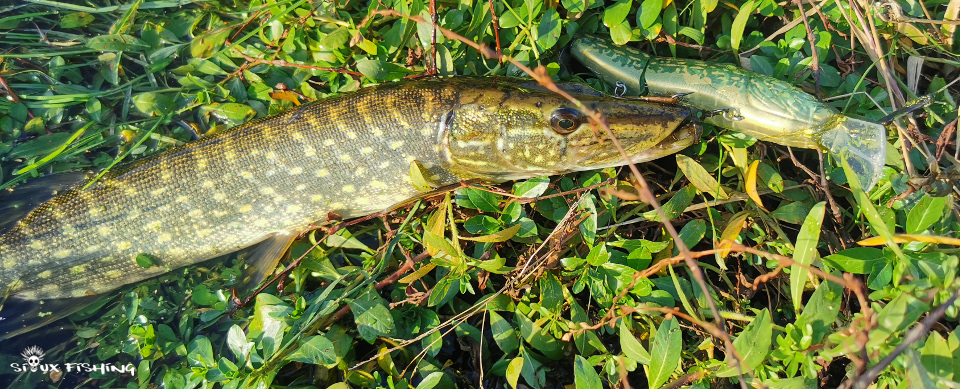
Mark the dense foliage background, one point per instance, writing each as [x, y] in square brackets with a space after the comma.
[483, 287]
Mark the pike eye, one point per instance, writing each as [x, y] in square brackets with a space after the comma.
[565, 120]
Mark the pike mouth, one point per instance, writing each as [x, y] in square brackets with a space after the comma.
[686, 134]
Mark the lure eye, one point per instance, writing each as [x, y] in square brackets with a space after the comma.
[565, 120]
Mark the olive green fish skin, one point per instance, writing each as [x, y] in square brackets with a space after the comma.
[350, 155]
[767, 108]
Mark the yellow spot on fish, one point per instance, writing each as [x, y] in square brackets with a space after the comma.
[377, 132]
[351, 135]
[113, 274]
[360, 171]
[196, 213]
[261, 222]
[336, 205]
[207, 184]
[36, 245]
[271, 155]
[104, 231]
[91, 249]
[378, 185]
[246, 174]
[362, 201]
[328, 142]
[294, 208]
[154, 225]
[204, 232]
[348, 188]
[323, 173]
[182, 199]
[246, 208]
[267, 190]
[78, 269]
[50, 288]
[309, 151]
[396, 145]
[60, 254]
[124, 245]
[296, 135]
[44, 274]
[163, 238]
[300, 187]
[316, 198]
[366, 150]
[346, 157]
[384, 164]
[219, 196]
[296, 170]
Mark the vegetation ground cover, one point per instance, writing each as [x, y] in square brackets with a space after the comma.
[583, 285]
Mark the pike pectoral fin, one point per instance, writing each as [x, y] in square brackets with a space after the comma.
[20, 316]
[263, 259]
[24, 198]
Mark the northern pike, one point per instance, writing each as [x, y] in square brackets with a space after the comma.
[758, 105]
[265, 181]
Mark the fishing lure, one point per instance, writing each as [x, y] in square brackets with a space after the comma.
[761, 106]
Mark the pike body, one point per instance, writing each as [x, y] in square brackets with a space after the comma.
[349, 155]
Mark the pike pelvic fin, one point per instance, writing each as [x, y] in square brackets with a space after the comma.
[263, 258]
[15, 204]
[20, 316]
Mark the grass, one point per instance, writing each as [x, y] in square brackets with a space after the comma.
[584, 276]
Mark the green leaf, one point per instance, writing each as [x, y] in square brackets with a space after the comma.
[631, 346]
[317, 350]
[621, 33]
[76, 19]
[927, 211]
[693, 232]
[739, 23]
[936, 356]
[200, 353]
[381, 70]
[481, 225]
[792, 212]
[115, 42]
[513, 371]
[503, 333]
[205, 45]
[805, 252]
[372, 316]
[753, 345]
[699, 177]
[548, 32]
[858, 260]
[616, 14]
[531, 188]
[430, 381]
[483, 200]
[675, 206]
[551, 292]
[153, 104]
[917, 375]
[232, 113]
[664, 353]
[823, 307]
[648, 13]
[584, 375]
